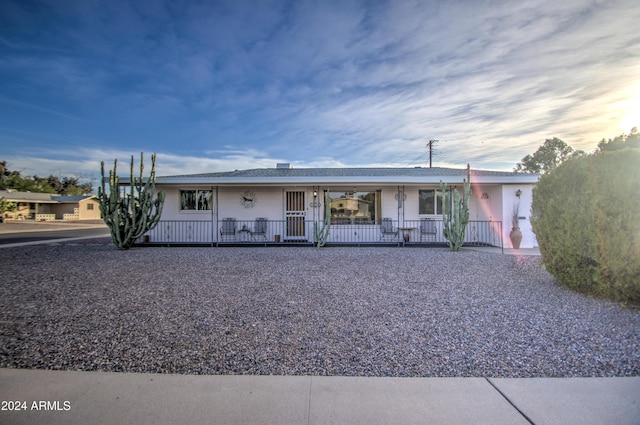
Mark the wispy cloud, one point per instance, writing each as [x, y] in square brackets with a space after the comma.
[231, 85]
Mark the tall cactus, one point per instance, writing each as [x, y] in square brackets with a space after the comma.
[456, 212]
[132, 214]
[322, 234]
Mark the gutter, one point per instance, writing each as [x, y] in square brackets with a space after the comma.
[270, 181]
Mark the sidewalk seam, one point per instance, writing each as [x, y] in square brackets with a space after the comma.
[309, 403]
[509, 401]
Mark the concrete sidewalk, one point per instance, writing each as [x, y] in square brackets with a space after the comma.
[66, 397]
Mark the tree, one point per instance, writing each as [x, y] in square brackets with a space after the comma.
[66, 185]
[10, 179]
[549, 155]
[5, 206]
[632, 140]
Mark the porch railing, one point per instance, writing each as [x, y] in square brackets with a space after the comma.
[181, 232]
[295, 230]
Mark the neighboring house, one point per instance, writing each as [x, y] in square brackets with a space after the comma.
[368, 205]
[48, 206]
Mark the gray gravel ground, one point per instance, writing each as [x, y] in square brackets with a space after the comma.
[277, 310]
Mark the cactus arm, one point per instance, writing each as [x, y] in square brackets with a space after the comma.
[131, 215]
[322, 234]
[456, 212]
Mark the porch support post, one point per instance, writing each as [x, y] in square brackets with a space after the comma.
[401, 201]
[214, 219]
[315, 190]
[213, 214]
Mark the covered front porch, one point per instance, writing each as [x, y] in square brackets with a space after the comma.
[392, 206]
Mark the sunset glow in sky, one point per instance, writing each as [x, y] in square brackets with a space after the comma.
[222, 85]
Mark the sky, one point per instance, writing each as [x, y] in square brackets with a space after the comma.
[222, 85]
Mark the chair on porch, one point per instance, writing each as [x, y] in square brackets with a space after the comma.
[259, 229]
[428, 230]
[387, 230]
[228, 229]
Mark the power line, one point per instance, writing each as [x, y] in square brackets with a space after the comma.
[430, 152]
[430, 146]
[454, 157]
[416, 160]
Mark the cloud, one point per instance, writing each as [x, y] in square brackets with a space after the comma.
[85, 162]
[38, 108]
[345, 83]
[526, 75]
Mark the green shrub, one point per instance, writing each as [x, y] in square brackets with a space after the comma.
[564, 225]
[615, 177]
[586, 216]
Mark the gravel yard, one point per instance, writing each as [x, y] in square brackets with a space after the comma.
[292, 311]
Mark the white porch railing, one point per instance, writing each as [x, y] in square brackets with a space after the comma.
[266, 232]
[182, 232]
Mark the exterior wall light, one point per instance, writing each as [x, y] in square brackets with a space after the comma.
[518, 193]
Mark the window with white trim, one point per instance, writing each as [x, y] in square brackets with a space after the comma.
[196, 200]
[429, 202]
[355, 207]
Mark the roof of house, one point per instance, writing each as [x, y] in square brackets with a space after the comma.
[346, 172]
[13, 195]
[43, 198]
[347, 176]
[71, 199]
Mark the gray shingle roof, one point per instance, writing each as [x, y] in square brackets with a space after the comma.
[284, 176]
[346, 172]
[40, 197]
[71, 199]
[26, 196]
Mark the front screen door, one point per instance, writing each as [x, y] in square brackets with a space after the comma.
[295, 214]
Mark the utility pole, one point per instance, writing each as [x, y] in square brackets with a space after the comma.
[430, 146]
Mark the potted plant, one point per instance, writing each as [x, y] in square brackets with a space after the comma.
[516, 234]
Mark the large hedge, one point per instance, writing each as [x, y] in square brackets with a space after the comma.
[586, 216]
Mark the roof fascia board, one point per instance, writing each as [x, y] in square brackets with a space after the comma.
[32, 201]
[221, 181]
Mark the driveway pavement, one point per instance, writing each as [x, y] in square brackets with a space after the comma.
[16, 233]
[27, 226]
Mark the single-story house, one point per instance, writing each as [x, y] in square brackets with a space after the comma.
[367, 205]
[48, 206]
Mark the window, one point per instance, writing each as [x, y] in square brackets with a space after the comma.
[354, 207]
[90, 207]
[196, 200]
[430, 202]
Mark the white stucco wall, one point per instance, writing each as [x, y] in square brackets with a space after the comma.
[269, 203]
[509, 200]
[171, 208]
[486, 203]
[489, 202]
